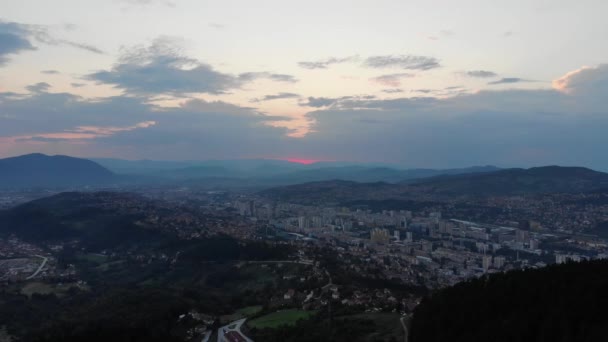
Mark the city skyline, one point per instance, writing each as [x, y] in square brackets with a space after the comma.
[418, 84]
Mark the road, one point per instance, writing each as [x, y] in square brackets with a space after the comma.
[404, 325]
[44, 261]
[279, 262]
[232, 332]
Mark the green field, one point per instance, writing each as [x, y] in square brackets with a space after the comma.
[387, 326]
[93, 257]
[250, 310]
[43, 288]
[279, 318]
[241, 313]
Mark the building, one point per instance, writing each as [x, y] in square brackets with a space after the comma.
[486, 262]
[379, 235]
[499, 262]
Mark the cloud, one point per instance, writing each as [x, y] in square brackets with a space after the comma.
[40, 87]
[408, 62]
[278, 96]
[162, 68]
[480, 73]
[78, 85]
[252, 76]
[523, 127]
[130, 127]
[508, 127]
[391, 80]
[584, 80]
[318, 102]
[325, 63]
[392, 91]
[14, 38]
[217, 26]
[83, 133]
[50, 72]
[509, 80]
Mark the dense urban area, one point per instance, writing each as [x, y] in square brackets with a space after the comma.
[282, 257]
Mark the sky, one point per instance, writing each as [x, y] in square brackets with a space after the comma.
[436, 83]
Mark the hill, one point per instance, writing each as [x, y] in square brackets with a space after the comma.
[557, 303]
[546, 179]
[335, 191]
[39, 170]
[97, 220]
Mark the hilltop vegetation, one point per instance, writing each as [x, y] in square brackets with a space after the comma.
[558, 303]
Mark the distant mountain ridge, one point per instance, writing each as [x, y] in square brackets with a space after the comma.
[279, 172]
[545, 179]
[39, 170]
[537, 180]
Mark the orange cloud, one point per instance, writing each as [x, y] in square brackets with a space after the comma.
[566, 83]
[77, 134]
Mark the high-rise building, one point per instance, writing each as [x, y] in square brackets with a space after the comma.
[522, 235]
[397, 235]
[533, 244]
[379, 235]
[303, 222]
[408, 237]
[486, 262]
[499, 262]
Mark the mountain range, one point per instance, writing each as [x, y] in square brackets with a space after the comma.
[283, 177]
[39, 170]
[507, 182]
[546, 179]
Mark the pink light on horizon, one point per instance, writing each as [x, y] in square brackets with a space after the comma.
[302, 161]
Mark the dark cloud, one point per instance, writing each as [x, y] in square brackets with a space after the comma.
[565, 125]
[318, 102]
[78, 85]
[515, 127]
[162, 68]
[480, 73]
[40, 87]
[508, 80]
[408, 62]
[50, 72]
[127, 125]
[14, 38]
[392, 91]
[325, 63]
[391, 80]
[277, 97]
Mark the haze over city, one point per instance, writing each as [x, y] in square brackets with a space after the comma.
[420, 84]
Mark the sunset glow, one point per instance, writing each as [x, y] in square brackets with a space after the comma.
[302, 161]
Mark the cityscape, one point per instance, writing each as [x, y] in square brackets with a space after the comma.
[319, 171]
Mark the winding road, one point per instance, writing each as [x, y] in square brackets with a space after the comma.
[44, 261]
